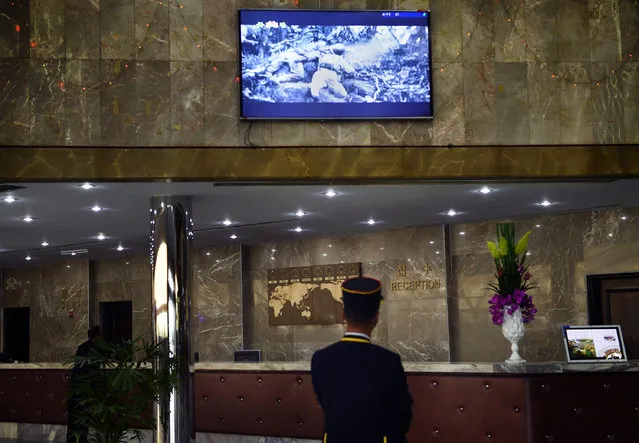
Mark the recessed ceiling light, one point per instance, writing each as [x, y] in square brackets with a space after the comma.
[28, 258]
[462, 233]
[300, 213]
[208, 254]
[28, 219]
[623, 217]
[96, 208]
[330, 193]
[120, 248]
[371, 221]
[68, 266]
[485, 190]
[87, 186]
[45, 244]
[610, 235]
[73, 254]
[381, 249]
[273, 250]
[233, 237]
[451, 213]
[101, 236]
[330, 246]
[298, 229]
[528, 253]
[217, 261]
[9, 199]
[227, 222]
[324, 254]
[432, 242]
[537, 226]
[437, 252]
[545, 203]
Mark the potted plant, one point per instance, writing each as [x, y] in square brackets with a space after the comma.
[511, 306]
[115, 388]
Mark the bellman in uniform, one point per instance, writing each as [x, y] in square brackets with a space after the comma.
[361, 386]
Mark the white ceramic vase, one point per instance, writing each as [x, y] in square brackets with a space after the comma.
[513, 330]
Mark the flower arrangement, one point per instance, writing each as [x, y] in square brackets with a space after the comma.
[513, 278]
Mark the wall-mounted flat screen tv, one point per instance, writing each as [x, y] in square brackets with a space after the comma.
[300, 64]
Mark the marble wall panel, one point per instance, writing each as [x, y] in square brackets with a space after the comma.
[354, 133]
[510, 31]
[544, 100]
[542, 33]
[629, 24]
[14, 105]
[118, 102]
[448, 101]
[480, 103]
[82, 27]
[14, 29]
[511, 95]
[127, 279]
[608, 104]
[185, 19]
[82, 95]
[217, 303]
[412, 323]
[631, 101]
[152, 30]
[47, 26]
[605, 30]
[187, 103]
[576, 103]
[419, 5]
[47, 83]
[573, 31]
[57, 295]
[446, 30]
[220, 29]
[478, 29]
[221, 107]
[153, 104]
[117, 30]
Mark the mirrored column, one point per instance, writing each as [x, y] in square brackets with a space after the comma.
[171, 236]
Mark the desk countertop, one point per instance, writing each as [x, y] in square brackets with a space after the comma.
[415, 368]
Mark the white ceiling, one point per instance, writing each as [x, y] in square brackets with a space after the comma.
[63, 216]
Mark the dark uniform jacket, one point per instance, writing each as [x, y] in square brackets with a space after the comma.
[363, 391]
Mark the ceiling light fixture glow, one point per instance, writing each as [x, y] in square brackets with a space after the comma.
[227, 222]
[545, 203]
[28, 258]
[462, 233]
[96, 208]
[233, 237]
[28, 219]
[45, 244]
[101, 236]
[330, 193]
[300, 213]
[623, 217]
[485, 190]
[298, 229]
[120, 248]
[371, 221]
[9, 199]
[87, 186]
[452, 213]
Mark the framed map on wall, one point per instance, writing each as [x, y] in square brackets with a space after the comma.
[309, 295]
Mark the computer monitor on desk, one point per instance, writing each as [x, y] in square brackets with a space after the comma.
[594, 344]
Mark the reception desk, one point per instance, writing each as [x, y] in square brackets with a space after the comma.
[454, 403]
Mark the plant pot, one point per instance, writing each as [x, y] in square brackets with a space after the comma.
[513, 330]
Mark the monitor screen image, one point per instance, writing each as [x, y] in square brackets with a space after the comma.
[594, 343]
[298, 64]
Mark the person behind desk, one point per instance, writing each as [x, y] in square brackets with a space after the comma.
[75, 433]
[361, 387]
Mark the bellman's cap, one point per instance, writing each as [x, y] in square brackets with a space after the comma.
[362, 286]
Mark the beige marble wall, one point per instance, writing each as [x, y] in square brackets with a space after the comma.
[149, 73]
[127, 279]
[52, 292]
[564, 249]
[412, 323]
[217, 303]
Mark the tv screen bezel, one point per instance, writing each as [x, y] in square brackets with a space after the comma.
[329, 119]
[622, 344]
